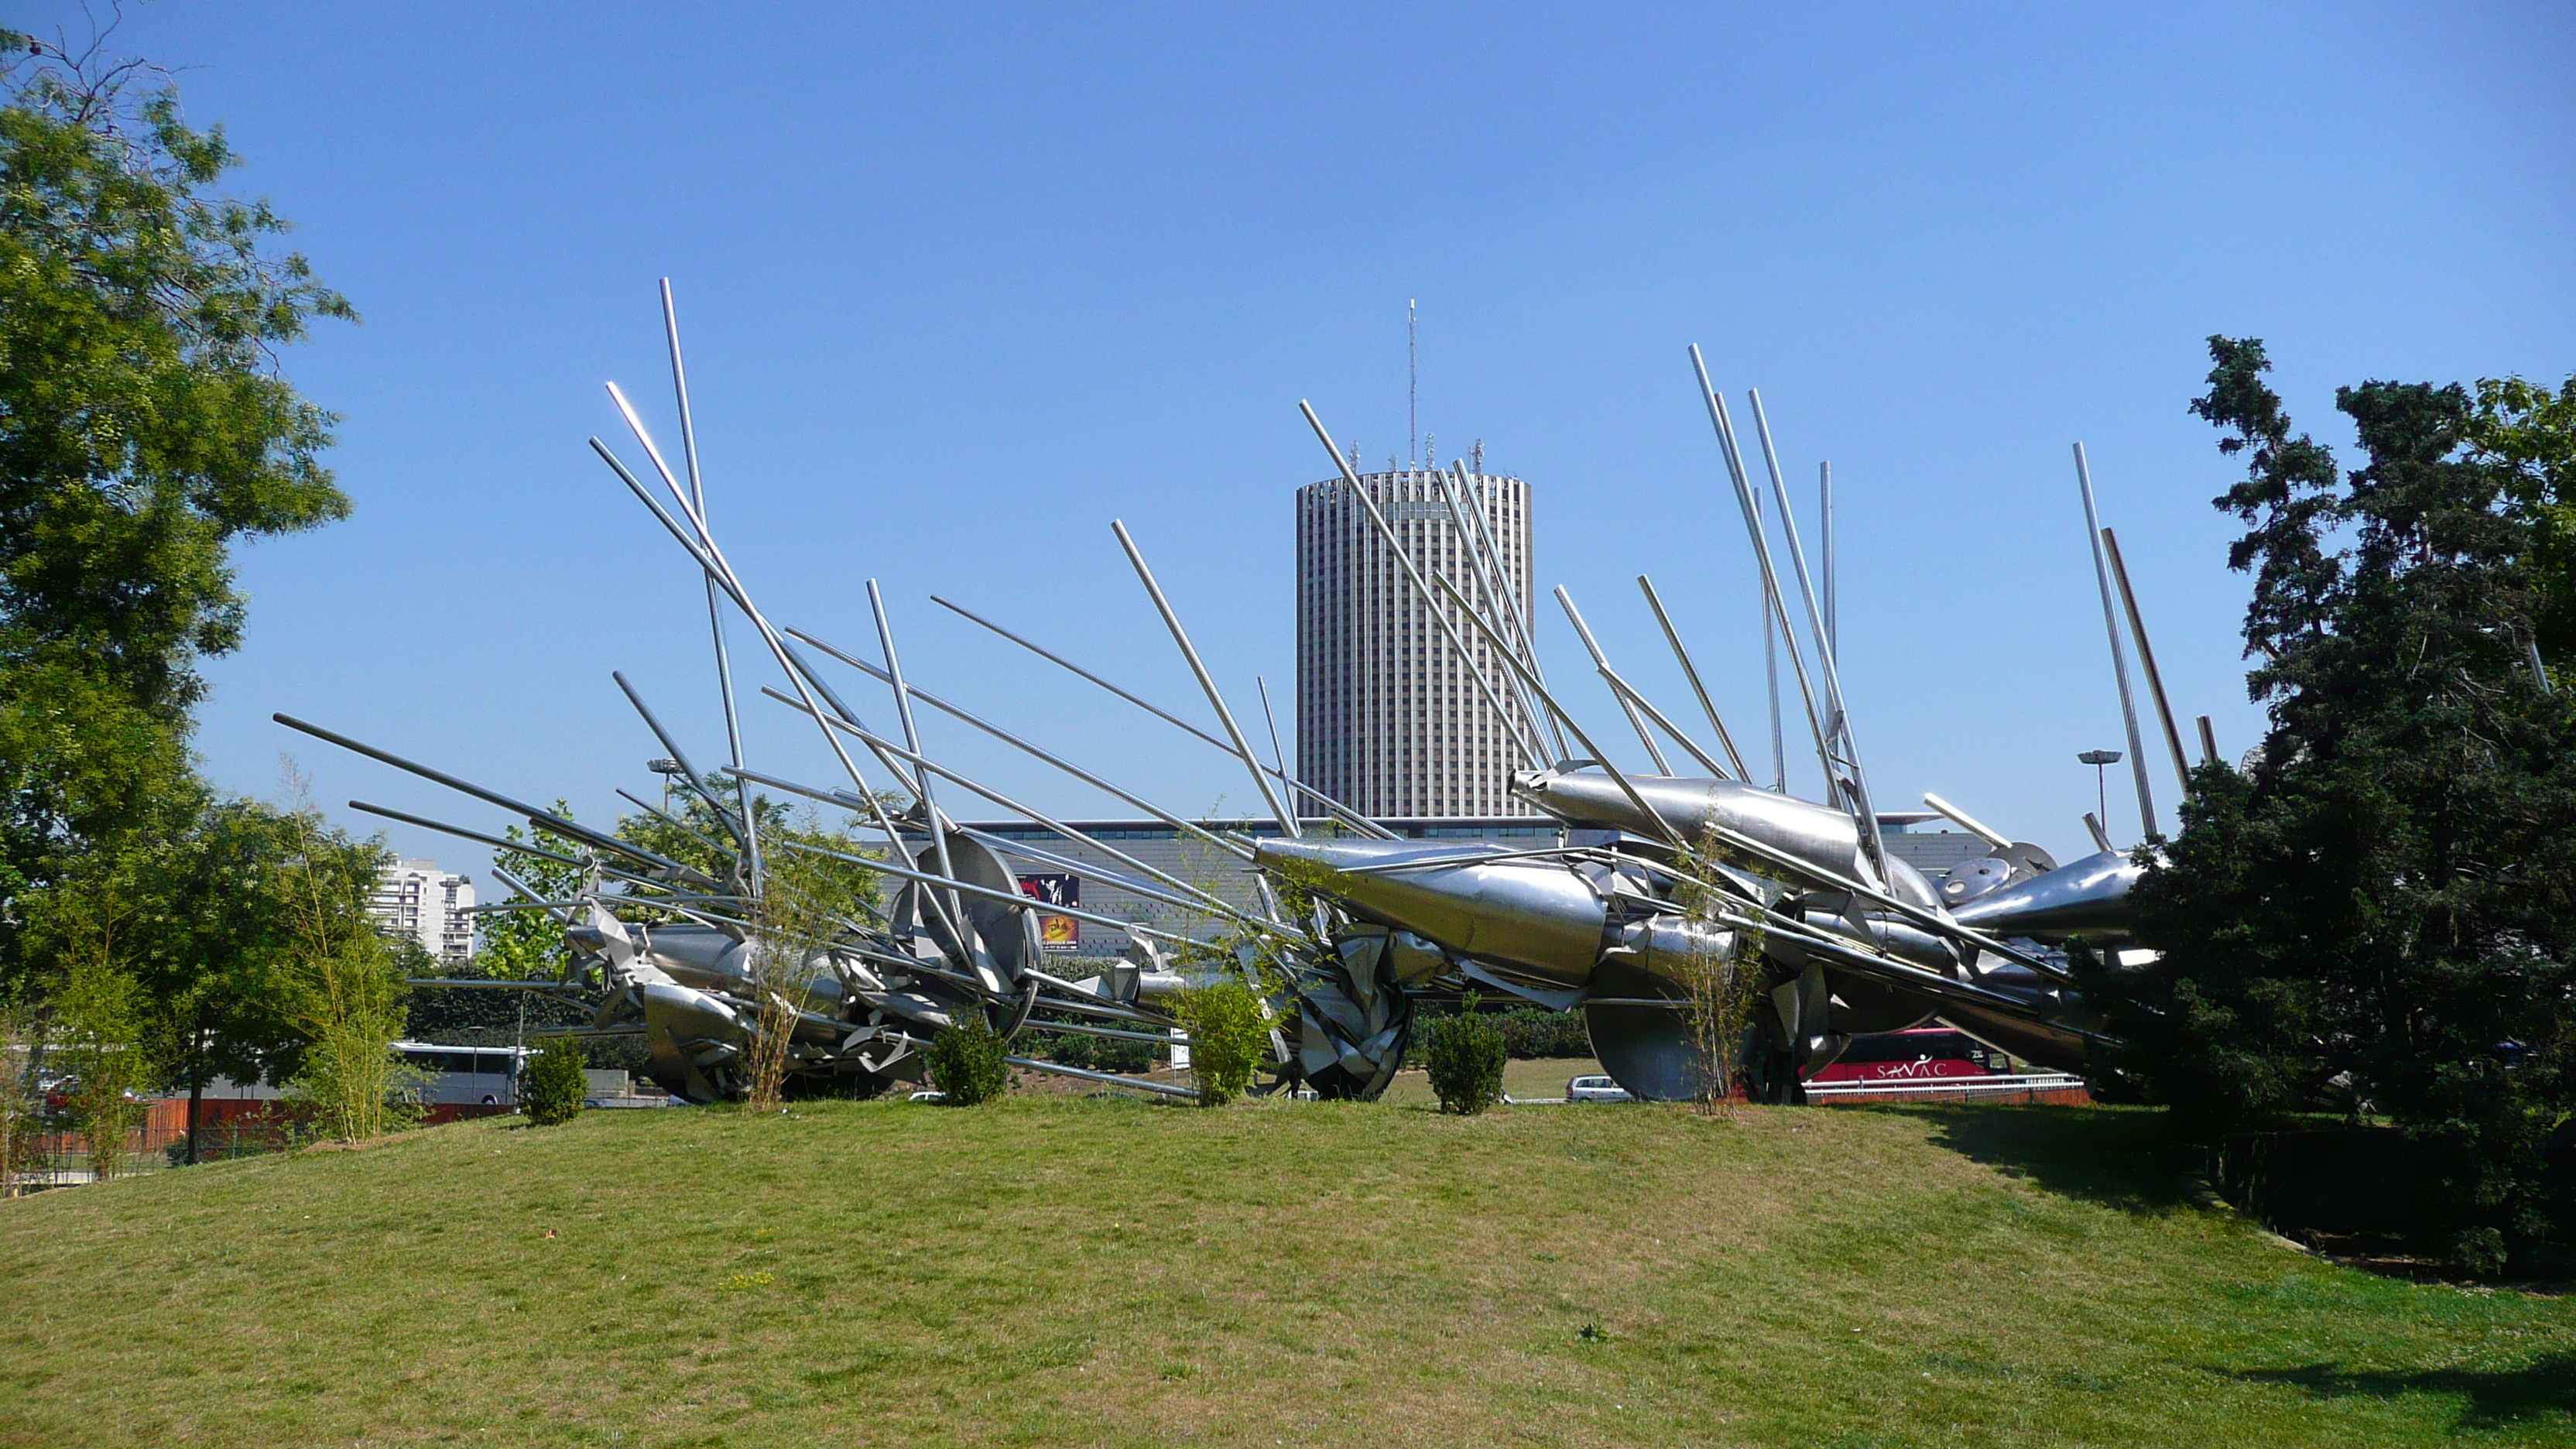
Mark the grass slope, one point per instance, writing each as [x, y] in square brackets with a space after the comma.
[1099, 1272]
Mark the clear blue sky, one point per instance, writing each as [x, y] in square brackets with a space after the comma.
[962, 284]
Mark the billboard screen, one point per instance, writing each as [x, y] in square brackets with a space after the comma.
[1061, 934]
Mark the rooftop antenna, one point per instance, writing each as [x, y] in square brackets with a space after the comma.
[1412, 387]
[1476, 458]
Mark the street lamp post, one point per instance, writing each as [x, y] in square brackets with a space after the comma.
[2100, 760]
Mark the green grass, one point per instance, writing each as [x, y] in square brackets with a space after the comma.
[1063, 1271]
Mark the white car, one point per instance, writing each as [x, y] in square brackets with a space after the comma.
[1596, 1089]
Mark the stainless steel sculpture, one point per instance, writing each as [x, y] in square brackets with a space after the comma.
[1661, 877]
[1655, 882]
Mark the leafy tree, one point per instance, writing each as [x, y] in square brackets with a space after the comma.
[2376, 917]
[2530, 433]
[528, 945]
[143, 429]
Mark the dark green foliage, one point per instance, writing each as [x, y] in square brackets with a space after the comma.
[966, 1062]
[1097, 1053]
[552, 1086]
[2378, 917]
[1529, 1032]
[143, 429]
[1465, 1056]
[1227, 1039]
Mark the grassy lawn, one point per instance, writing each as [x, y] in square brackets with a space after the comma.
[1066, 1271]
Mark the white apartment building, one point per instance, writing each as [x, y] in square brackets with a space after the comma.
[415, 898]
[1389, 720]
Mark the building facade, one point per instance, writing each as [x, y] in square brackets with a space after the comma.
[1389, 720]
[415, 898]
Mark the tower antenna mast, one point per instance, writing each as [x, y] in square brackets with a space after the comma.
[1412, 388]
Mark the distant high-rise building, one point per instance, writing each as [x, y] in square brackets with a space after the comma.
[1389, 721]
[415, 898]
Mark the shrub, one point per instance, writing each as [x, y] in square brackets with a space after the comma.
[1465, 1056]
[1096, 1053]
[1226, 1038]
[551, 1089]
[966, 1062]
[1530, 1032]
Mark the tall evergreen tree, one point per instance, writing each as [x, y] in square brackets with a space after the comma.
[2377, 917]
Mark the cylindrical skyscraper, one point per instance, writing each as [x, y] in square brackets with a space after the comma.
[1389, 721]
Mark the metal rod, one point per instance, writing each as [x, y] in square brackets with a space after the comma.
[1691, 672]
[1965, 821]
[1442, 862]
[547, 820]
[704, 549]
[2147, 662]
[495, 841]
[1601, 664]
[532, 893]
[1751, 504]
[1629, 692]
[1854, 785]
[710, 561]
[1279, 810]
[1825, 544]
[688, 771]
[1076, 1028]
[912, 739]
[840, 707]
[1331, 806]
[1058, 826]
[1633, 700]
[2208, 742]
[673, 821]
[1115, 881]
[1771, 678]
[1422, 588]
[1515, 612]
[750, 829]
[1271, 717]
[1595, 752]
[2119, 656]
[1006, 737]
[2101, 837]
[1012, 899]
[1138, 1084]
[1491, 582]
